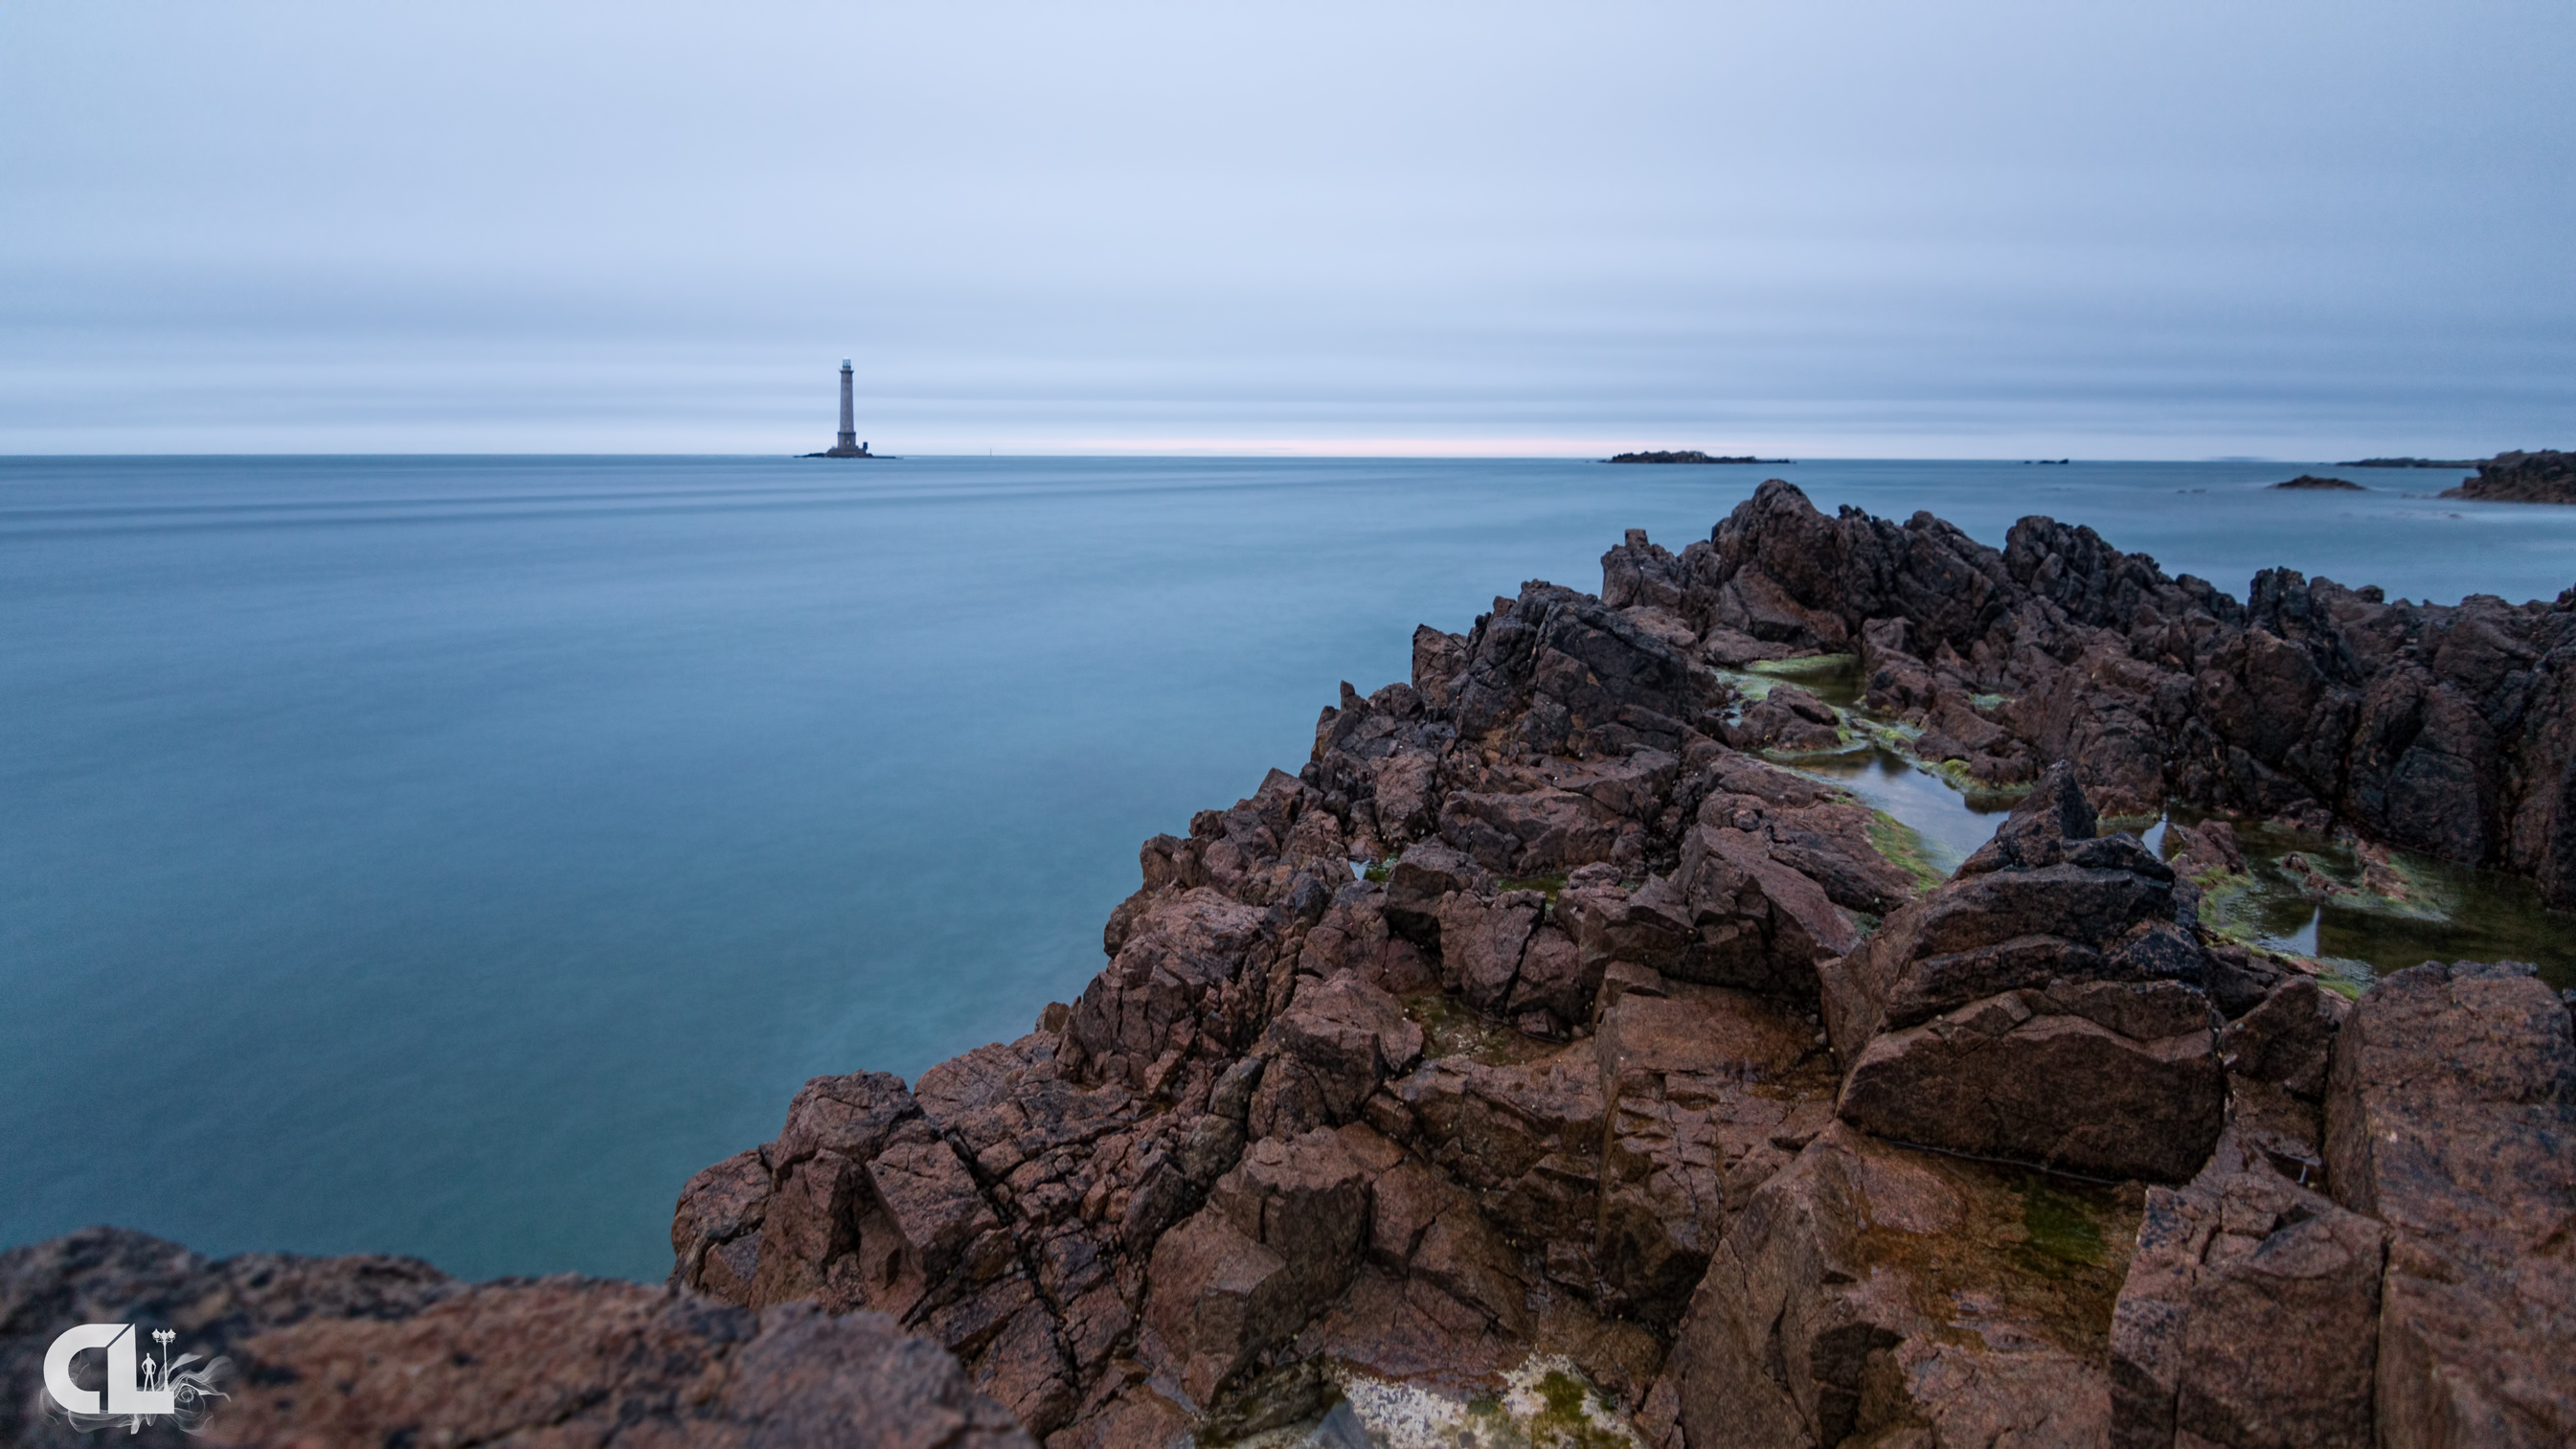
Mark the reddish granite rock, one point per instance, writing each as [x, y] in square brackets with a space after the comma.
[2451, 1116]
[1339, 1038]
[1788, 721]
[2289, 1039]
[1481, 941]
[1278, 1240]
[1557, 672]
[1812, 828]
[1183, 948]
[2250, 1316]
[1525, 1138]
[1868, 1294]
[1758, 923]
[1421, 877]
[372, 1350]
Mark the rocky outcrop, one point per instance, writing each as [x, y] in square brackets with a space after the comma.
[2543, 477]
[1502, 1095]
[376, 1350]
[2448, 729]
[1536, 1016]
[1631, 1047]
[2312, 483]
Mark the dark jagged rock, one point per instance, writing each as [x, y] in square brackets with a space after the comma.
[2542, 477]
[2310, 482]
[378, 1350]
[2448, 729]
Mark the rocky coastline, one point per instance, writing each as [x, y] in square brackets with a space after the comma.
[1693, 455]
[2542, 477]
[1542, 1064]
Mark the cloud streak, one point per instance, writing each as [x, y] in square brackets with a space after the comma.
[1987, 229]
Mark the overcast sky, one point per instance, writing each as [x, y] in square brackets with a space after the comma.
[1829, 229]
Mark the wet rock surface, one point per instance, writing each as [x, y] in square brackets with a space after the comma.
[1538, 1038]
[2447, 729]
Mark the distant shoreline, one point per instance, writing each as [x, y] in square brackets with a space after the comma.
[1693, 455]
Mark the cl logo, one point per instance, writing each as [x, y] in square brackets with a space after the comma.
[126, 1394]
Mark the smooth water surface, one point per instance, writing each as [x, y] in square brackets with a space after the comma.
[450, 855]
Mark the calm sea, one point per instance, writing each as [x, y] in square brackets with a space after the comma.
[450, 855]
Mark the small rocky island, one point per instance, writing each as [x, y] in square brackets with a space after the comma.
[2542, 477]
[2311, 482]
[1693, 455]
[1540, 1064]
[2410, 463]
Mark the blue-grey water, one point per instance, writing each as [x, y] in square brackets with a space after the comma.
[449, 855]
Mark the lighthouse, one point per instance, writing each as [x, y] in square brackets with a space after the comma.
[847, 445]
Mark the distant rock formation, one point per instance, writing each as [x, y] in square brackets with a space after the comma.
[2543, 477]
[2410, 463]
[2312, 481]
[1690, 455]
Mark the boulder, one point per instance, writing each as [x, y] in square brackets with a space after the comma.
[1184, 947]
[2451, 1116]
[2101, 1079]
[1529, 833]
[1336, 1042]
[2042, 1007]
[1556, 672]
[1812, 828]
[1524, 1138]
[1278, 1240]
[1415, 884]
[2250, 1316]
[1482, 939]
[1869, 1294]
[1757, 924]
[715, 1230]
